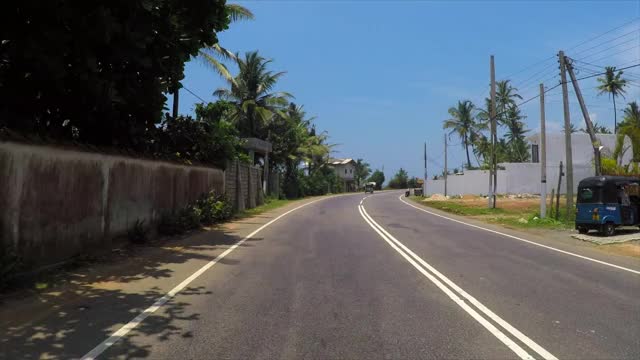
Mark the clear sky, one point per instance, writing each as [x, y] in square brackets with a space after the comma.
[381, 75]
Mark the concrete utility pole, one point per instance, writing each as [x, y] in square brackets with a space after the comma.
[424, 184]
[567, 133]
[543, 158]
[592, 134]
[493, 176]
[446, 171]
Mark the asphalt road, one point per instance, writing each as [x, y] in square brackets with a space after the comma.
[347, 278]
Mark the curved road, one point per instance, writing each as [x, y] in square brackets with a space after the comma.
[371, 277]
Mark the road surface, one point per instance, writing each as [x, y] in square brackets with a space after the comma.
[365, 277]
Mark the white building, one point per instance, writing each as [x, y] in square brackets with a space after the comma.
[346, 170]
[526, 177]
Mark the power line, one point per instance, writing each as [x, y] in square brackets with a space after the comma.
[609, 48]
[635, 32]
[194, 94]
[617, 53]
[603, 34]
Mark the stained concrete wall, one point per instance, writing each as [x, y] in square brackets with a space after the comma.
[56, 203]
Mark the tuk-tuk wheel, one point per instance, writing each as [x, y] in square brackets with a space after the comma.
[583, 230]
[608, 229]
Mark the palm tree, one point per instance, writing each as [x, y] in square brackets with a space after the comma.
[462, 123]
[212, 55]
[506, 96]
[613, 84]
[251, 92]
[631, 115]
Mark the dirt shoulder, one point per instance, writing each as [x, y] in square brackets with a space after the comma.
[521, 214]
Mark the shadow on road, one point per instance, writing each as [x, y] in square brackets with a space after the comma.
[83, 306]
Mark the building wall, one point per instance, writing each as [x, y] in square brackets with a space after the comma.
[56, 203]
[581, 148]
[350, 171]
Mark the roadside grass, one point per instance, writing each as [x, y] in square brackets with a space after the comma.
[523, 216]
[269, 204]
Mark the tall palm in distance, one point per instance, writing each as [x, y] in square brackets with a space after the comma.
[462, 123]
[613, 84]
[631, 115]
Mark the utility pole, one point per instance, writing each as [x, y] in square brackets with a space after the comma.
[493, 176]
[543, 158]
[587, 119]
[567, 133]
[446, 171]
[424, 184]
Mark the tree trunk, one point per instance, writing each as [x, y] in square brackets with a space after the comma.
[466, 147]
[615, 116]
[176, 95]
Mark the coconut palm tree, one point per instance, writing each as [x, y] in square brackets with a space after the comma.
[462, 123]
[213, 55]
[613, 84]
[506, 96]
[631, 115]
[251, 92]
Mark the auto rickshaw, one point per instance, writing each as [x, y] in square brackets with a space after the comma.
[607, 202]
[369, 187]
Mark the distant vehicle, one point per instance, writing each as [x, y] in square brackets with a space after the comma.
[369, 187]
[606, 202]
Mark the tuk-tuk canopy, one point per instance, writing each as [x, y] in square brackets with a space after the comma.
[603, 189]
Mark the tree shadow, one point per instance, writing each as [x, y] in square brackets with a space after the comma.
[85, 303]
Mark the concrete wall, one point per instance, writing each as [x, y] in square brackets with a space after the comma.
[516, 178]
[56, 203]
[243, 185]
[581, 148]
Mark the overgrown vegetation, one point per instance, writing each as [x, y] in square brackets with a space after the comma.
[210, 209]
[138, 232]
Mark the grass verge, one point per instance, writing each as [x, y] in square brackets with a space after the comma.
[526, 217]
[270, 204]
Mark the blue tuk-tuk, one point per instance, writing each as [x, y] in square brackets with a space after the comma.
[606, 202]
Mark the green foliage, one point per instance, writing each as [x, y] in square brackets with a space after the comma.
[613, 84]
[214, 208]
[209, 138]
[400, 180]
[362, 171]
[138, 233]
[463, 124]
[610, 167]
[98, 72]
[209, 209]
[413, 183]
[378, 178]
[251, 93]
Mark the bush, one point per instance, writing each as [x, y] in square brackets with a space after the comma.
[211, 208]
[214, 208]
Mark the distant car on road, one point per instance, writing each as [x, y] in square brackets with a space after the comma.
[369, 187]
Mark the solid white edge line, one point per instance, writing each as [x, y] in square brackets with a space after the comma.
[525, 240]
[517, 349]
[120, 333]
[508, 327]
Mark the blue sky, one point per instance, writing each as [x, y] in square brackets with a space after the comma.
[381, 75]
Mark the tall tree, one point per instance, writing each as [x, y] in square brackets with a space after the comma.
[251, 92]
[400, 180]
[377, 177]
[506, 97]
[462, 123]
[213, 55]
[613, 84]
[631, 115]
[362, 171]
[98, 71]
